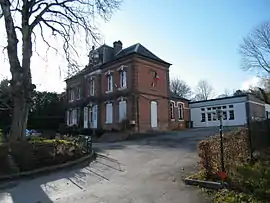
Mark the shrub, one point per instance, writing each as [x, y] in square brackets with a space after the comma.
[86, 131]
[39, 153]
[236, 150]
[5, 168]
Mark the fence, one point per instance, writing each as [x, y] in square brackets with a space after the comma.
[259, 132]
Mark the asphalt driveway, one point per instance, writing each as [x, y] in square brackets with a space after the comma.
[141, 171]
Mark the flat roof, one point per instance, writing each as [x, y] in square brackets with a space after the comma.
[218, 99]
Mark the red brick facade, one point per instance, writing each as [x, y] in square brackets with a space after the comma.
[179, 114]
[147, 83]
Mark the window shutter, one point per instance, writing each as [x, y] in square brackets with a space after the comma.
[111, 113]
[122, 110]
[85, 119]
[68, 118]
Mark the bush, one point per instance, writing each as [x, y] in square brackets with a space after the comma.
[236, 150]
[39, 153]
[5, 168]
[86, 131]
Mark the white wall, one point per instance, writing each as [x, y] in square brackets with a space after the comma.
[239, 108]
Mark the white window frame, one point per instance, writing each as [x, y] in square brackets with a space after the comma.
[109, 83]
[123, 79]
[85, 117]
[122, 105]
[92, 87]
[180, 111]
[78, 91]
[109, 117]
[72, 95]
[172, 105]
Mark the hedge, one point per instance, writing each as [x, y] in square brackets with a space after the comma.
[236, 149]
[37, 153]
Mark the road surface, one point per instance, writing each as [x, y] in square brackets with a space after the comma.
[141, 171]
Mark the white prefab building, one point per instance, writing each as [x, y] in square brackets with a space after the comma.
[235, 110]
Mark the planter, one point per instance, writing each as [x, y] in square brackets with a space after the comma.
[48, 169]
[205, 184]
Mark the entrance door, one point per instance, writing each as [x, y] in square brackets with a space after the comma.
[154, 123]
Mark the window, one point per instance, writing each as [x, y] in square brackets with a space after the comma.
[92, 87]
[209, 116]
[110, 83]
[208, 109]
[180, 111]
[224, 107]
[85, 117]
[74, 116]
[68, 118]
[224, 115]
[71, 95]
[172, 110]
[214, 116]
[230, 106]
[122, 110]
[231, 114]
[109, 113]
[219, 107]
[202, 109]
[91, 115]
[214, 108]
[123, 79]
[203, 117]
[78, 93]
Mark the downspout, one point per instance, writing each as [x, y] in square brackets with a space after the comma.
[137, 112]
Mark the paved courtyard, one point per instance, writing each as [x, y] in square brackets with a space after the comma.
[141, 171]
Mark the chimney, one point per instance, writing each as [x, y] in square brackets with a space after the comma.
[117, 46]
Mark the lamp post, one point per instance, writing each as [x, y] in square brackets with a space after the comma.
[219, 114]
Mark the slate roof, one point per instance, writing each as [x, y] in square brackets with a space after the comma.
[133, 49]
[175, 96]
[140, 50]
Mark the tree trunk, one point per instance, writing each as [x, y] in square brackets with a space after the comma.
[19, 119]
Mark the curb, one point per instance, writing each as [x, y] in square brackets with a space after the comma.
[205, 184]
[47, 169]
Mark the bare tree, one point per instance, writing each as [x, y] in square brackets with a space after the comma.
[255, 50]
[225, 94]
[30, 19]
[180, 88]
[203, 91]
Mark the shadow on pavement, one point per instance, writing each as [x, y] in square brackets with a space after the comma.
[50, 187]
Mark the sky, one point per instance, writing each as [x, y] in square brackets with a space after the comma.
[200, 38]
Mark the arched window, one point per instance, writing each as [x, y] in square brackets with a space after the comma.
[172, 110]
[180, 111]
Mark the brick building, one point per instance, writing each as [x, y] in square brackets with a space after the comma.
[179, 112]
[118, 84]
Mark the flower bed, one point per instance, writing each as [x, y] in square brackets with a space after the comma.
[37, 153]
